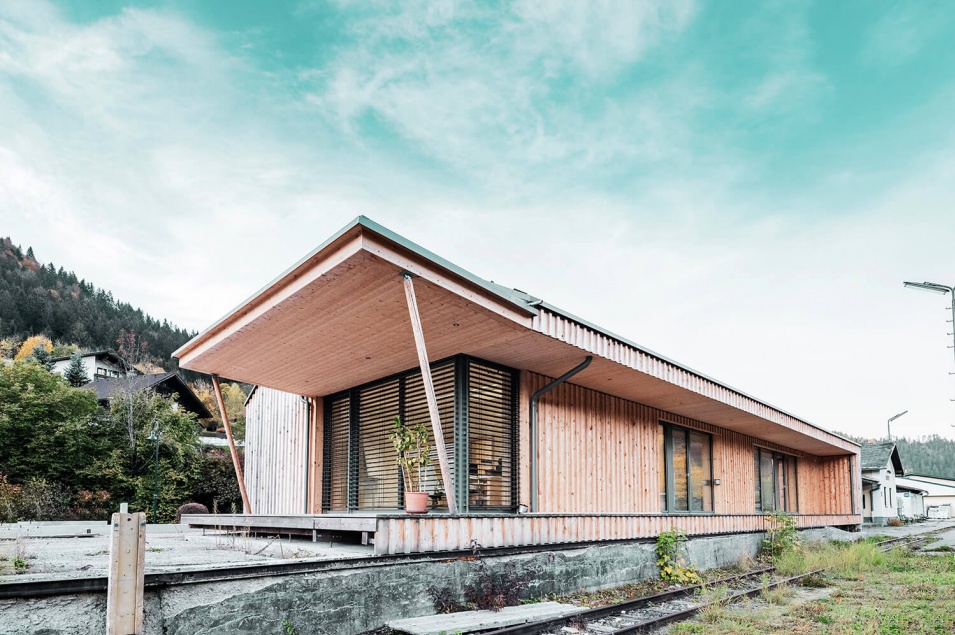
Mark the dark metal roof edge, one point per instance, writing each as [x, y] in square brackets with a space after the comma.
[521, 300]
[663, 358]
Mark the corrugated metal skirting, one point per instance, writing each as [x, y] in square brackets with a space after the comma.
[397, 535]
[276, 447]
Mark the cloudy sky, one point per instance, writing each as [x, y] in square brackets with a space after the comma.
[742, 188]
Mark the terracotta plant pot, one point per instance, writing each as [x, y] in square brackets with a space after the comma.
[416, 502]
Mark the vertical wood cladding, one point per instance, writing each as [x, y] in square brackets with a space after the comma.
[276, 452]
[599, 454]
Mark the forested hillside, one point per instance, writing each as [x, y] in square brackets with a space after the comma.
[931, 455]
[41, 299]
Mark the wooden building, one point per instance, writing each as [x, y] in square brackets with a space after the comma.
[552, 429]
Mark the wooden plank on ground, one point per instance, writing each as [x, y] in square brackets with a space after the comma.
[473, 621]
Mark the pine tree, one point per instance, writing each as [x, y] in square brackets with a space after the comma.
[76, 372]
[42, 357]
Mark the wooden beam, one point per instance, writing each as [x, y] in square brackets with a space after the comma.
[124, 594]
[429, 391]
[232, 450]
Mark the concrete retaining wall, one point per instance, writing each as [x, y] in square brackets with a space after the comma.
[351, 601]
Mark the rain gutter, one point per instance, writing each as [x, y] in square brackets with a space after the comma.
[534, 399]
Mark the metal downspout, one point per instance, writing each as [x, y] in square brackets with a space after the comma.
[534, 399]
[308, 446]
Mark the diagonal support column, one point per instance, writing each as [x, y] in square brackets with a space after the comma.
[232, 450]
[429, 391]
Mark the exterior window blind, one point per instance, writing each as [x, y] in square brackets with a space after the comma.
[335, 469]
[492, 434]
[379, 484]
[477, 404]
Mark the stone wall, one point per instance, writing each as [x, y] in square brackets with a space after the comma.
[354, 600]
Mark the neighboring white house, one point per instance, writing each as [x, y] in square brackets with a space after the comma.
[106, 372]
[881, 465]
[95, 364]
[940, 499]
[910, 500]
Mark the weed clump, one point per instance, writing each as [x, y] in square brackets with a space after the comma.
[490, 591]
[672, 558]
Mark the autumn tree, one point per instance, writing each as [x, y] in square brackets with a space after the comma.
[31, 344]
[234, 398]
[8, 348]
[76, 372]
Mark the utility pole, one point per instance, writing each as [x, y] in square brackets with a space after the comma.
[889, 423]
[934, 287]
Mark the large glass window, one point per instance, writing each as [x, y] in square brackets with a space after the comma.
[477, 404]
[686, 469]
[775, 477]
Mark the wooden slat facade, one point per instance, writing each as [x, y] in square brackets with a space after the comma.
[277, 452]
[600, 454]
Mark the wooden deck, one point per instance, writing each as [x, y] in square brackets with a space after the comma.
[394, 533]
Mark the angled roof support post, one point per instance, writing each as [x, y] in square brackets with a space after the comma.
[429, 391]
[232, 450]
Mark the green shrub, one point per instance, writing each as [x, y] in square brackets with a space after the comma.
[672, 558]
[783, 535]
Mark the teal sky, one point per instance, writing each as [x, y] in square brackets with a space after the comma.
[740, 185]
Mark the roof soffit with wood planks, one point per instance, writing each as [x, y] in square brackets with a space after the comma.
[338, 318]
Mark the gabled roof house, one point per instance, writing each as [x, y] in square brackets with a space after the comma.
[881, 464]
[549, 428]
[109, 375]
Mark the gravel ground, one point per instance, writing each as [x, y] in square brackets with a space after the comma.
[71, 550]
[908, 530]
[77, 549]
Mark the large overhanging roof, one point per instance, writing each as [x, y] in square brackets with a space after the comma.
[339, 318]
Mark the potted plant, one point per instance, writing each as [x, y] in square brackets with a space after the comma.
[413, 448]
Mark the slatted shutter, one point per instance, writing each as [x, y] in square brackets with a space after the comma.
[416, 411]
[477, 404]
[492, 437]
[335, 471]
[378, 484]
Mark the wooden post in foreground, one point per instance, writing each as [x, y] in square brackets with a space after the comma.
[232, 450]
[429, 391]
[124, 594]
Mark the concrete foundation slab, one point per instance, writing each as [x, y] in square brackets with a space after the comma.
[472, 621]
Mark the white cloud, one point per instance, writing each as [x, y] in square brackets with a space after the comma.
[499, 92]
[904, 30]
[141, 152]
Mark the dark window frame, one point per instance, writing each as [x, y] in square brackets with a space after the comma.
[787, 499]
[670, 507]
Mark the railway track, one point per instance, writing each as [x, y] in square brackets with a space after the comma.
[648, 613]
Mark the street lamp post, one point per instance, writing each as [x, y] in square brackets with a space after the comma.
[889, 423]
[943, 289]
[154, 436]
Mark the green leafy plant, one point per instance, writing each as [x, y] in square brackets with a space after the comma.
[783, 535]
[413, 447]
[289, 628]
[20, 565]
[672, 559]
